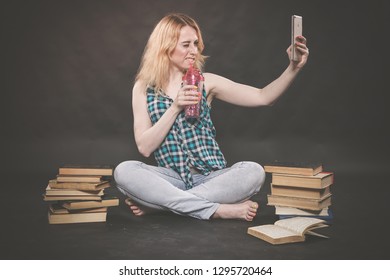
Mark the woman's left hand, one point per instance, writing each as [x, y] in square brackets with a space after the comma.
[303, 52]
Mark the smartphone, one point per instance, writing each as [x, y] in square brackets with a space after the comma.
[296, 30]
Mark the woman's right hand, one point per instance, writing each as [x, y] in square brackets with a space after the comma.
[187, 95]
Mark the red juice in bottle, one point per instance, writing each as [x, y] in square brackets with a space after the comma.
[194, 78]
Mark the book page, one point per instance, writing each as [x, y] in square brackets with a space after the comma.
[316, 234]
[298, 224]
[274, 232]
[284, 210]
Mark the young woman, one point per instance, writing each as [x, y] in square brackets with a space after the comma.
[192, 177]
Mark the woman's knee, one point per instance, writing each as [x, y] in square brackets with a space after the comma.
[123, 170]
[255, 175]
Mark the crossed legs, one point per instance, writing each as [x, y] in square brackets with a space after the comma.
[222, 194]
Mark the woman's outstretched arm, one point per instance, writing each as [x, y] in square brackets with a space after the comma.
[244, 95]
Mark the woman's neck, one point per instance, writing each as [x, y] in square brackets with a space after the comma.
[175, 75]
[174, 83]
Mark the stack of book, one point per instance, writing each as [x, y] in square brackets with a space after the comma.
[77, 194]
[300, 189]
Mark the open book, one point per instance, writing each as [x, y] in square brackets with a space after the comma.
[288, 230]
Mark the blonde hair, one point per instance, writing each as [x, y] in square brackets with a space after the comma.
[155, 62]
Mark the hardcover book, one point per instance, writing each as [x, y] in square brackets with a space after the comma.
[56, 208]
[328, 218]
[303, 203]
[55, 192]
[284, 210]
[299, 192]
[83, 186]
[325, 214]
[106, 201]
[76, 217]
[319, 181]
[65, 178]
[297, 168]
[71, 197]
[74, 169]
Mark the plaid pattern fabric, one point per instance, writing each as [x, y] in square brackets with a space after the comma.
[187, 144]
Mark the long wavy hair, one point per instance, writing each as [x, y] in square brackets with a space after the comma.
[155, 62]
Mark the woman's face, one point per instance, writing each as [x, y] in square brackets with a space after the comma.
[186, 49]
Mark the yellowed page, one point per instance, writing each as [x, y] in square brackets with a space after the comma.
[298, 224]
[274, 232]
[284, 210]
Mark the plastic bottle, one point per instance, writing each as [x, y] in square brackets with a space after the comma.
[194, 78]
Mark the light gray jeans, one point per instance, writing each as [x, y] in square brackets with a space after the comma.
[162, 188]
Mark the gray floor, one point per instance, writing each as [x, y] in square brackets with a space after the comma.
[359, 229]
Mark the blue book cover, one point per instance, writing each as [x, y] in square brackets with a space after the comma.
[328, 219]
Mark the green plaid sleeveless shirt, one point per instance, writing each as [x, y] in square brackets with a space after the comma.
[187, 144]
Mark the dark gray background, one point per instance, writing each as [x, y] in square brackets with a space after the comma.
[68, 69]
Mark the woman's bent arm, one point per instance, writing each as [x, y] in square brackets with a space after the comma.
[149, 137]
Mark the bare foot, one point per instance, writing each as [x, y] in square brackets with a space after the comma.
[137, 211]
[245, 211]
